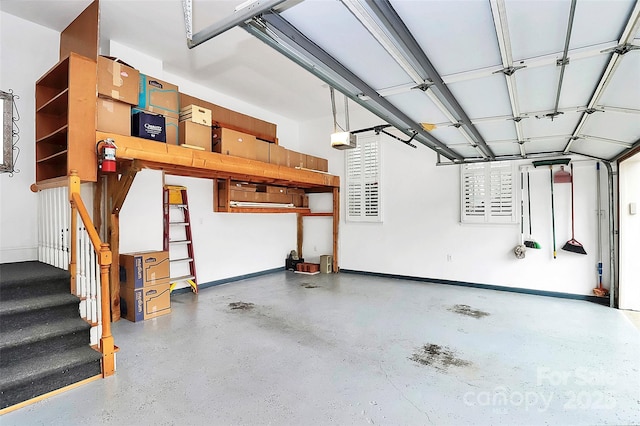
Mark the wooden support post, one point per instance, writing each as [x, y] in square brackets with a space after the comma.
[300, 234]
[336, 223]
[74, 187]
[107, 347]
[117, 190]
[114, 286]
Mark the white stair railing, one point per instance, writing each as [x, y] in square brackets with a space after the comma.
[54, 248]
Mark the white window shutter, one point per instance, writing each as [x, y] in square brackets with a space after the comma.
[364, 181]
[488, 193]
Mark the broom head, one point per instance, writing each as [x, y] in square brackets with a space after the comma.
[601, 292]
[562, 176]
[532, 244]
[574, 246]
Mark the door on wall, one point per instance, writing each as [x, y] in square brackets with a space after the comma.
[629, 227]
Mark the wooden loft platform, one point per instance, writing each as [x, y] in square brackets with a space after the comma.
[181, 161]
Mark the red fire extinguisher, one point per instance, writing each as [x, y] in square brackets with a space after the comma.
[106, 150]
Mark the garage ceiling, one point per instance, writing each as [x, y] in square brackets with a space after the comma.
[489, 75]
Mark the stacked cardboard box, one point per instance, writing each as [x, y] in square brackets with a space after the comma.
[118, 86]
[144, 285]
[159, 98]
[195, 127]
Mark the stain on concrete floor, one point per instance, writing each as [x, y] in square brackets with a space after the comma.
[466, 310]
[438, 357]
[308, 285]
[244, 306]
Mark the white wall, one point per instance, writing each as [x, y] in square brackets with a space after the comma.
[421, 223]
[629, 278]
[225, 245]
[28, 51]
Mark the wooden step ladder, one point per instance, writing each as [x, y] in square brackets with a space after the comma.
[177, 236]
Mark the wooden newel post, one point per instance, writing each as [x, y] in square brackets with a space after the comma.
[107, 347]
[74, 187]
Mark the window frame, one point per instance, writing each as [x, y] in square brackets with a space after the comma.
[362, 179]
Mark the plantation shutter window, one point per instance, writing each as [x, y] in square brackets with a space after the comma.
[488, 193]
[363, 181]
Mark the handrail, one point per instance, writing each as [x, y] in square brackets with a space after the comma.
[107, 347]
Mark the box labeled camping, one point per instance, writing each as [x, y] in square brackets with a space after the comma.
[117, 80]
[158, 96]
[197, 114]
[231, 142]
[113, 117]
[195, 134]
[143, 269]
[146, 302]
[149, 126]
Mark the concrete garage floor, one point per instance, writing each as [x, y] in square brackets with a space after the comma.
[351, 349]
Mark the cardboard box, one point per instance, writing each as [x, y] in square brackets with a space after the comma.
[113, 116]
[171, 127]
[262, 151]
[143, 269]
[231, 142]
[197, 114]
[118, 81]
[195, 134]
[296, 159]
[146, 302]
[243, 186]
[148, 126]
[260, 197]
[322, 164]
[310, 162]
[277, 155]
[158, 96]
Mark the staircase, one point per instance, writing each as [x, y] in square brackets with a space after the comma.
[44, 344]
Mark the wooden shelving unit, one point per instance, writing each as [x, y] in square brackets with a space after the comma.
[65, 120]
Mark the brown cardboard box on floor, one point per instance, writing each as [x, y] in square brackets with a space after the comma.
[231, 142]
[118, 81]
[195, 134]
[146, 302]
[144, 268]
[113, 116]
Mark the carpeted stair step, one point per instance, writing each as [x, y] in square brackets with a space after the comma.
[20, 344]
[29, 279]
[45, 373]
[22, 313]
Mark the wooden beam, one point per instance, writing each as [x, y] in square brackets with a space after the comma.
[123, 187]
[300, 234]
[97, 207]
[187, 162]
[114, 287]
[336, 223]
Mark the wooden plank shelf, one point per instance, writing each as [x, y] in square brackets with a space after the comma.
[57, 155]
[181, 161]
[302, 210]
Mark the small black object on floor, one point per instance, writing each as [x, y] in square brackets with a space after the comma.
[44, 343]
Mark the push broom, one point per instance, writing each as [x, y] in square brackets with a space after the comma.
[530, 242]
[573, 245]
[551, 163]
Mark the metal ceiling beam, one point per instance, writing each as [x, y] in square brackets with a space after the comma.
[281, 35]
[616, 57]
[498, 9]
[242, 14]
[409, 52]
[565, 60]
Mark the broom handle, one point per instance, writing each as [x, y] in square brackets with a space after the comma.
[573, 237]
[553, 219]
